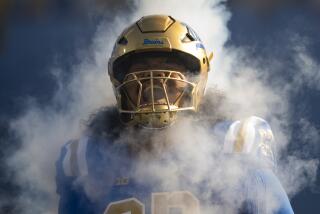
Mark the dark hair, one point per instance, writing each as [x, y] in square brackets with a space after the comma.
[105, 122]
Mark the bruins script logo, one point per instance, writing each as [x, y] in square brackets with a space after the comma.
[153, 42]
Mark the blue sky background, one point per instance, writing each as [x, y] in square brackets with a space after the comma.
[36, 37]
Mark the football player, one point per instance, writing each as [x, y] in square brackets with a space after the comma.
[126, 163]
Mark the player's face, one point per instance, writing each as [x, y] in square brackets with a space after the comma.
[158, 67]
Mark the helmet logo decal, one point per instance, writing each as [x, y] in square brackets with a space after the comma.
[153, 42]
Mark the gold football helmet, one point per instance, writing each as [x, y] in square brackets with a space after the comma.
[158, 67]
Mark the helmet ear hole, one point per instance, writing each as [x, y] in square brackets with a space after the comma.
[203, 60]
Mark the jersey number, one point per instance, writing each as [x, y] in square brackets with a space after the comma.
[162, 203]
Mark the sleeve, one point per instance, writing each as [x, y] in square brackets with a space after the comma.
[253, 139]
[266, 194]
[72, 196]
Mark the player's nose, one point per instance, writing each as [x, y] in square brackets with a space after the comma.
[153, 88]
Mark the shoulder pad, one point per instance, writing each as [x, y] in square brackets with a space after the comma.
[251, 136]
[74, 162]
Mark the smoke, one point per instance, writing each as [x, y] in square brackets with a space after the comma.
[43, 130]
[195, 151]
[252, 89]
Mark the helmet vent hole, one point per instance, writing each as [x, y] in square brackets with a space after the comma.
[123, 41]
[204, 60]
[190, 37]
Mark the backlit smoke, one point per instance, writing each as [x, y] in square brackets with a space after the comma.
[247, 87]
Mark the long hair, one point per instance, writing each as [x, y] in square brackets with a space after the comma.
[105, 122]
